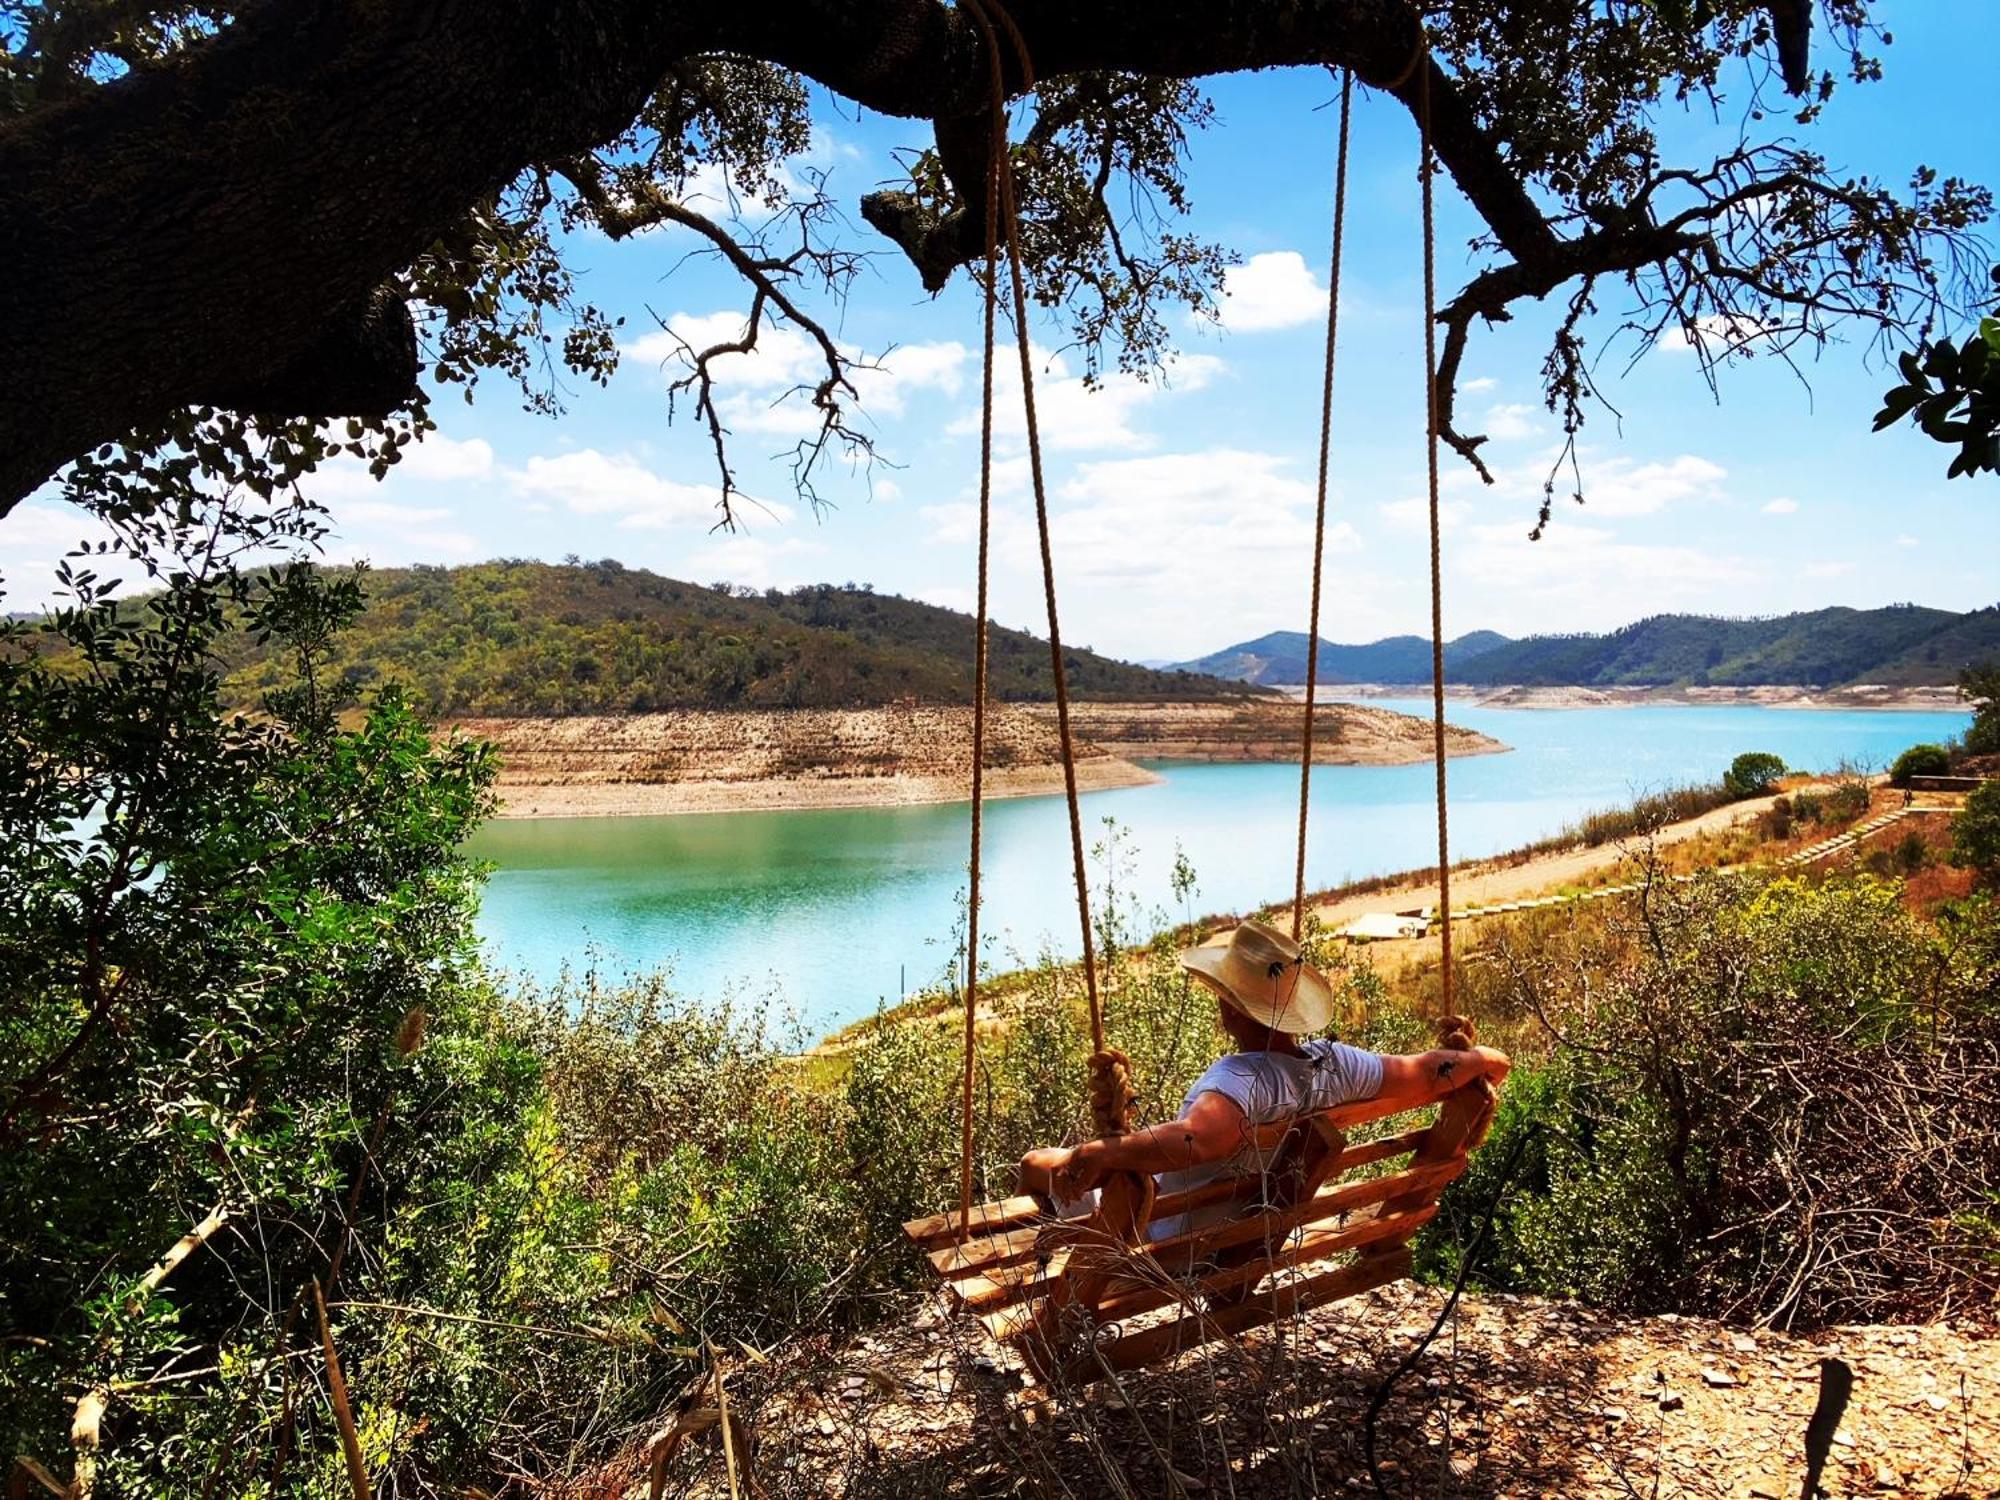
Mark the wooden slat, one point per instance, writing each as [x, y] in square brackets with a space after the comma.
[938, 1229]
[1149, 1346]
[981, 1258]
[935, 1231]
[1143, 1295]
[1370, 1152]
[1023, 1218]
[1407, 1187]
[1314, 1245]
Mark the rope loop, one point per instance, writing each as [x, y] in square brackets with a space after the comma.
[1111, 1093]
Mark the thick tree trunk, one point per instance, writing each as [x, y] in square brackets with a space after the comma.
[226, 229]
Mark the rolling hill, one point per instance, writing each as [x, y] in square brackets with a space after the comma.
[508, 639]
[1903, 645]
[1280, 657]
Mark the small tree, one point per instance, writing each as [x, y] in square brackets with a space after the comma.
[1920, 760]
[1980, 686]
[1752, 774]
[1975, 833]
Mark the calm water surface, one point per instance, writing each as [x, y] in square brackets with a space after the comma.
[832, 911]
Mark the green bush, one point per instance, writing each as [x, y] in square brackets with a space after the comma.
[1848, 800]
[1920, 760]
[1753, 773]
[1975, 832]
[1980, 686]
[1713, 1139]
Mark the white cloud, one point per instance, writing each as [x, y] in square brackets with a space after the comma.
[1179, 550]
[34, 538]
[1073, 417]
[1590, 577]
[1907, 542]
[590, 483]
[437, 459]
[743, 557]
[1505, 424]
[376, 513]
[1272, 290]
[1827, 570]
[1618, 487]
[1414, 514]
[1782, 506]
[1479, 386]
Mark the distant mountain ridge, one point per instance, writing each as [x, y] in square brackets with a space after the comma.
[1902, 645]
[528, 639]
[1280, 658]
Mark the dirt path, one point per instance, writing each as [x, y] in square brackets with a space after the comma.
[1489, 883]
[1523, 1398]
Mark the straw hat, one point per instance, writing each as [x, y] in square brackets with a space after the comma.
[1263, 974]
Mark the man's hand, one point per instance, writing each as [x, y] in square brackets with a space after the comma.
[1495, 1064]
[1062, 1173]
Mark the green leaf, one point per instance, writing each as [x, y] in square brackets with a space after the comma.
[1896, 405]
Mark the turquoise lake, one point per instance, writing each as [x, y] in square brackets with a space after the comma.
[829, 913]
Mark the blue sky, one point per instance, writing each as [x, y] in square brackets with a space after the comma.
[1183, 508]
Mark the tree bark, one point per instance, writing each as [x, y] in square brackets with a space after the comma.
[227, 229]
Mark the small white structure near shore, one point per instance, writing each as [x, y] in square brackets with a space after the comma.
[1382, 926]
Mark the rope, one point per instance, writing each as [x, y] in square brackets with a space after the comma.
[1010, 221]
[1425, 171]
[1319, 513]
[979, 699]
[1111, 1092]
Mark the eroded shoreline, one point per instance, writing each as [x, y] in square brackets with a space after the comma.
[691, 761]
[1876, 696]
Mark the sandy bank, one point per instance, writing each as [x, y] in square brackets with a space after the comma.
[795, 793]
[1856, 696]
[694, 761]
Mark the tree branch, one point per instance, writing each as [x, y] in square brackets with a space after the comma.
[194, 230]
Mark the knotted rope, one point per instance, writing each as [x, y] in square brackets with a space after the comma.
[1319, 510]
[1426, 170]
[979, 699]
[1110, 1087]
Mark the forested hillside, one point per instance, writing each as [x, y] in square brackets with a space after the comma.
[525, 638]
[1280, 657]
[1904, 645]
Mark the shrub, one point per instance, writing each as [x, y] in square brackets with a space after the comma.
[1753, 773]
[1714, 1139]
[1776, 821]
[1980, 686]
[1920, 760]
[1975, 832]
[1848, 800]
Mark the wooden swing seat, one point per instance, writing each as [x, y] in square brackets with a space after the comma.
[1066, 1293]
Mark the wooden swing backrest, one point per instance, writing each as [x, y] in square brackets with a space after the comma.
[1322, 1196]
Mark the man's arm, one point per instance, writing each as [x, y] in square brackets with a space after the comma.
[1422, 1076]
[1213, 1128]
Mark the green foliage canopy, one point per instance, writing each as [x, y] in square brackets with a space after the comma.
[1975, 832]
[1753, 773]
[1980, 686]
[1920, 760]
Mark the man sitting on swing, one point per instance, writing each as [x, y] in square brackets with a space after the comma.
[1268, 997]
